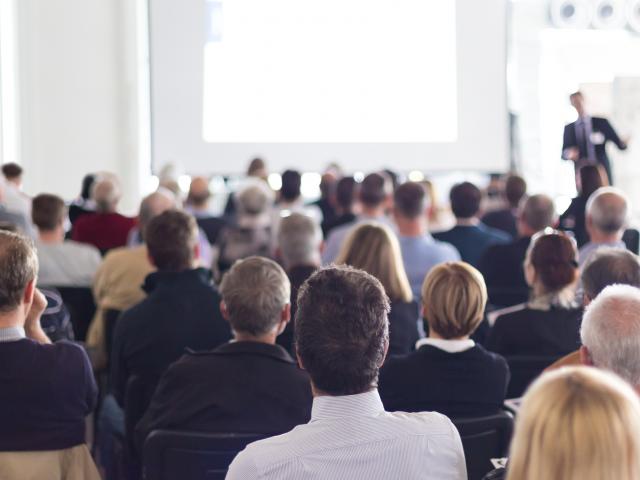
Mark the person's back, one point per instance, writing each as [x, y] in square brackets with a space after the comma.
[506, 219]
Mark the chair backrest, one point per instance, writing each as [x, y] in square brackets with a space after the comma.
[110, 319]
[193, 455]
[524, 370]
[484, 438]
[631, 239]
[136, 401]
[82, 308]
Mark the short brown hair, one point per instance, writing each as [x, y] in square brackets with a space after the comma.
[465, 200]
[171, 238]
[374, 189]
[48, 211]
[410, 200]
[515, 189]
[342, 329]
[11, 170]
[554, 259]
[454, 297]
[18, 267]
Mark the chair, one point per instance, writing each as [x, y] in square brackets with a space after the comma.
[631, 239]
[82, 307]
[524, 370]
[484, 438]
[193, 455]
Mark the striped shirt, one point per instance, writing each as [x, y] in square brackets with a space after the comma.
[352, 437]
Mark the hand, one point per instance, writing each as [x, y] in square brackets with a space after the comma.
[32, 322]
[572, 153]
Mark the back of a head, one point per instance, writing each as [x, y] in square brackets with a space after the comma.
[87, 184]
[374, 248]
[346, 193]
[554, 259]
[410, 200]
[299, 240]
[515, 189]
[257, 168]
[254, 199]
[153, 205]
[590, 180]
[291, 182]
[607, 209]
[328, 183]
[538, 212]
[454, 297]
[171, 239]
[255, 291]
[18, 267]
[609, 266]
[106, 193]
[465, 200]
[374, 190]
[11, 171]
[342, 329]
[199, 193]
[48, 211]
[577, 423]
[611, 331]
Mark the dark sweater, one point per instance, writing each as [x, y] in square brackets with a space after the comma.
[462, 384]
[403, 327]
[472, 240]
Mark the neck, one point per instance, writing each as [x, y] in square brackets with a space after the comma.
[316, 392]
[411, 227]
[600, 237]
[314, 262]
[436, 335]
[14, 318]
[268, 338]
[368, 211]
[51, 236]
[466, 222]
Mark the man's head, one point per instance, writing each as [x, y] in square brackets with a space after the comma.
[254, 199]
[514, 190]
[48, 212]
[153, 205]
[375, 191]
[13, 173]
[346, 193]
[342, 330]
[465, 200]
[172, 241]
[199, 193]
[577, 101]
[299, 241]
[537, 213]
[609, 266]
[606, 214]
[610, 332]
[291, 182]
[106, 194]
[328, 183]
[18, 272]
[410, 201]
[591, 179]
[255, 297]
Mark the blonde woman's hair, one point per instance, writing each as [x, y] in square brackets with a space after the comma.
[577, 423]
[374, 248]
[454, 296]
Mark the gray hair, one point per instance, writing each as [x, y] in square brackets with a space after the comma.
[18, 267]
[255, 291]
[538, 212]
[299, 239]
[611, 331]
[106, 193]
[609, 266]
[154, 204]
[607, 208]
[255, 198]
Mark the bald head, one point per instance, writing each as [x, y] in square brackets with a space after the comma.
[607, 212]
[199, 192]
[106, 194]
[538, 213]
[153, 205]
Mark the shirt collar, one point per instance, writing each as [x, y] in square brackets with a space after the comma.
[12, 334]
[328, 407]
[450, 346]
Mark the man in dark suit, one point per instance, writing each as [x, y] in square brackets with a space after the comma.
[585, 140]
[250, 385]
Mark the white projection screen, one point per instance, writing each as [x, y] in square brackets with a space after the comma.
[407, 85]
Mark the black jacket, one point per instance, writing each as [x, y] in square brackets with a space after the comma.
[240, 387]
[503, 271]
[403, 327]
[297, 276]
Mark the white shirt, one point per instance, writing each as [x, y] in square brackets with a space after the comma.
[67, 264]
[352, 437]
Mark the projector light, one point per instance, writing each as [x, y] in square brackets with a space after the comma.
[275, 181]
[416, 176]
[571, 13]
[608, 14]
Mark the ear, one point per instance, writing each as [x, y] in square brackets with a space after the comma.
[29, 291]
[224, 311]
[196, 251]
[285, 316]
[322, 247]
[278, 255]
[151, 261]
[585, 356]
[386, 350]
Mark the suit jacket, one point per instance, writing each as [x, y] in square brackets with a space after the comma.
[504, 219]
[403, 327]
[574, 220]
[297, 276]
[503, 271]
[472, 240]
[240, 387]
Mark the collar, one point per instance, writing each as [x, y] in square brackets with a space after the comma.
[328, 407]
[12, 334]
[275, 352]
[449, 346]
[155, 279]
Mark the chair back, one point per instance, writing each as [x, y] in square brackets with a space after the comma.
[484, 438]
[193, 455]
[82, 307]
[631, 239]
[524, 370]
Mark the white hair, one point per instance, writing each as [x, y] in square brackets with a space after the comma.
[607, 207]
[611, 331]
[299, 239]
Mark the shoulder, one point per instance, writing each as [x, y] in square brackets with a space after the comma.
[507, 314]
[83, 248]
[422, 423]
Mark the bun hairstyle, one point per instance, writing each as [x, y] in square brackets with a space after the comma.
[553, 257]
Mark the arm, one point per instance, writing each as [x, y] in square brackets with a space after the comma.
[91, 389]
[570, 149]
[610, 134]
[32, 326]
[242, 467]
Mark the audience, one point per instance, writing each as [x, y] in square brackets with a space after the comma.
[18, 221]
[83, 204]
[63, 263]
[345, 196]
[197, 204]
[420, 252]
[448, 373]
[274, 395]
[342, 338]
[470, 236]
[506, 219]
[14, 199]
[606, 221]
[549, 323]
[577, 424]
[257, 170]
[105, 229]
[502, 265]
[374, 248]
[326, 202]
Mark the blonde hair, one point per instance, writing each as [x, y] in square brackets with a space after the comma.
[577, 423]
[454, 296]
[374, 248]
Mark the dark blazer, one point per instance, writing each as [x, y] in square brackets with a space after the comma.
[469, 383]
[297, 276]
[472, 241]
[403, 327]
[574, 220]
[337, 221]
[240, 387]
[504, 220]
[212, 227]
[525, 331]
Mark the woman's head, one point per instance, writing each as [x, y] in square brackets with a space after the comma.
[577, 423]
[454, 296]
[591, 179]
[551, 263]
[372, 247]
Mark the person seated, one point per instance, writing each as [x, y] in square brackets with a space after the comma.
[274, 395]
[13, 221]
[448, 373]
[374, 248]
[470, 236]
[606, 213]
[63, 263]
[344, 200]
[326, 203]
[299, 246]
[13, 198]
[502, 266]
[257, 170]
[577, 424]
[83, 203]
[197, 204]
[506, 219]
[420, 252]
[342, 339]
[105, 229]
[549, 324]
